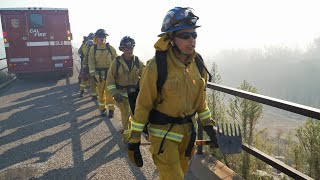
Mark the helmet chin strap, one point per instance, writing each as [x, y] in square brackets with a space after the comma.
[175, 47]
[179, 51]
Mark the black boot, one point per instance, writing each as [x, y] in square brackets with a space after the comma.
[81, 94]
[111, 113]
[94, 98]
[103, 113]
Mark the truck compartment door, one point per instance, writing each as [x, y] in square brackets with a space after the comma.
[17, 37]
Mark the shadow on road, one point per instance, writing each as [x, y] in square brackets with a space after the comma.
[48, 114]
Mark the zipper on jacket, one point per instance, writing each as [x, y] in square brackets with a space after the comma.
[187, 88]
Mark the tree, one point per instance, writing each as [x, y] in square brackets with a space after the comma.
[246, 112]
[215, 98]
[216, 106]
[309, 138]
[279, 133]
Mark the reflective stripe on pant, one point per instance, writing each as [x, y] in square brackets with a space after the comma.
[172, 162]
[83, 84]
[109, 99]
[93, 87]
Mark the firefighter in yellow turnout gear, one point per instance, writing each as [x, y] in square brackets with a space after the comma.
[81, 52]
[85, 70]
[122, 81]
[101, 56]
[170, 109]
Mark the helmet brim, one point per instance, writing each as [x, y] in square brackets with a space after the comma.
[177, 29]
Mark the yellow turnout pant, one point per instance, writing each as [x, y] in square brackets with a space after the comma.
[93, 86]
[125, 114]
[83, 84]
[104, 96]
[172, 163]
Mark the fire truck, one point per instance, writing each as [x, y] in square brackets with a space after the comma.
[37, 40]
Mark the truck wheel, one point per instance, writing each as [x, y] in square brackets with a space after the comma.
[19, 76]
[70, 74]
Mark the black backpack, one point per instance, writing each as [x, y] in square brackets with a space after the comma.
[161, 60]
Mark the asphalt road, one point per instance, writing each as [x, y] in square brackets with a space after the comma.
[47, 132]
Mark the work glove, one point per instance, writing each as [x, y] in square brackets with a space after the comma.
[118, 97]
[212, 135]
[134, 154]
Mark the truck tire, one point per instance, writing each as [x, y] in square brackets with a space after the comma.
[70, 73]
[19, 76]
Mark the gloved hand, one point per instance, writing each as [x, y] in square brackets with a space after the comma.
[118, 97]
[134, 154]
[212, 135]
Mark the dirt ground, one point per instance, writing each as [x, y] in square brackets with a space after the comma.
[278, 124]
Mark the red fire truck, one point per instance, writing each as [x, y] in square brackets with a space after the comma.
[37, 40]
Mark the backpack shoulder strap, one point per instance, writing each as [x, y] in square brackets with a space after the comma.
[94, 50]
[117, 65]
[136, 61]
[161, 60]
[201, 66]
[107, 46]
[109, 49]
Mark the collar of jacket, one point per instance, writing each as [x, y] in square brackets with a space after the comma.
[101, 46]
[163, 43]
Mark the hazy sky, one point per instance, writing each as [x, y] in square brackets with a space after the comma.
[225, 24]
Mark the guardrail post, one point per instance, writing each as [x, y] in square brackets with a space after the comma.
[199, 137]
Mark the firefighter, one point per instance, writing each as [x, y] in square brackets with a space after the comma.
[101, 55]
[122, 81]
[82, 48]
[81, 52]
[170, 110]
[85, 71]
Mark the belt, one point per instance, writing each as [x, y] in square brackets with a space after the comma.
[128, 88]
[105, 73]
[159, 118]
[101, 69]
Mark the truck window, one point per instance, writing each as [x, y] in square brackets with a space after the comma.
[36, 20]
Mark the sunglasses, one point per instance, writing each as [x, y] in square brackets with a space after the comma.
[187, 35]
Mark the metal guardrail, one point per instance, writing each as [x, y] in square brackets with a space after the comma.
[281, 104]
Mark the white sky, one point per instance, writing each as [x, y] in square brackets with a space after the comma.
[225, 23]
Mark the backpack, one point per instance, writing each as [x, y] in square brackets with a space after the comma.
[161, 60]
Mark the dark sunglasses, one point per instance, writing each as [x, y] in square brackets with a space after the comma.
[186, 35]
